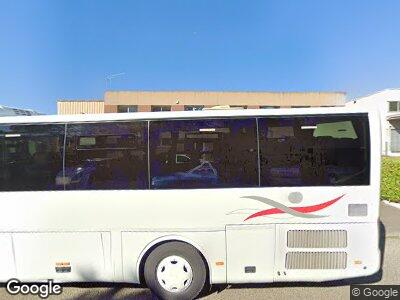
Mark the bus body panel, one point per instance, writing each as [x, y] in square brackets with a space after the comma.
[7, 260]
[63, 256]
[357, 262]
[39, 253]
[119, 226]
[180, 210]
[250, 253]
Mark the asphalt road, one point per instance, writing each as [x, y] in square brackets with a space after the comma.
[390, 274]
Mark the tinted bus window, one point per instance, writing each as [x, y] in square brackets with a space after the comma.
[203, 153]
[102, 156]
[30, 157]
[314, 151]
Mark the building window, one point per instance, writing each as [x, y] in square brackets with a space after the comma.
[193, 107]
[127, 108]
[395, 140]
[268, 107]
[239, 106]
[394, 106]
[161, 108]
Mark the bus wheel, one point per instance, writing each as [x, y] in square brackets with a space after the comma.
[175, 270]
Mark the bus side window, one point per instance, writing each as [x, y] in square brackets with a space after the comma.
[314, 151]
[31, 156]
[203, 153]
[103, 156]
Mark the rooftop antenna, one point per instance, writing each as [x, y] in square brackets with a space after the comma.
[111, 77]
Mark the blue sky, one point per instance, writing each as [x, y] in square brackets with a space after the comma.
[57, 49]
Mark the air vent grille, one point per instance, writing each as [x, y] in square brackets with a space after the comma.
[316, 260]
[317, 238]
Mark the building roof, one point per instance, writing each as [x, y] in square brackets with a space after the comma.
[12, 111]
[389, 92]
[80, 100]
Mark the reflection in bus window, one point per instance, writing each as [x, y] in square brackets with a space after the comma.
[203, 153]
[105, 156]
[30, 157]
[314, 151]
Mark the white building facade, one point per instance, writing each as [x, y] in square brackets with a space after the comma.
[11, 111]
[388, 104]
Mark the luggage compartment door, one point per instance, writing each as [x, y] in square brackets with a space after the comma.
[63, 256]
[250, 253]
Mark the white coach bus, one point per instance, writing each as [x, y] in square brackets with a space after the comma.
[179, 200]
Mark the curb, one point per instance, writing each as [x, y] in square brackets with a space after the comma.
[396, 205]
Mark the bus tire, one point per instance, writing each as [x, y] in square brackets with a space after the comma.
[175, 270]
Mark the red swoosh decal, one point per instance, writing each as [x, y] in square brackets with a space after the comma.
[302, 209]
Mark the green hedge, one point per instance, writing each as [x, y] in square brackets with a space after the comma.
[390, 182]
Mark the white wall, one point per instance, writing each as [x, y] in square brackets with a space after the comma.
[380, 101]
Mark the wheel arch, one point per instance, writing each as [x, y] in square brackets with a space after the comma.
[163, 240]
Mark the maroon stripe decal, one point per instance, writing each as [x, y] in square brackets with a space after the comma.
[302, 209]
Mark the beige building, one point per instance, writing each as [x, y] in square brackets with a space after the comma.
[146, 101]
[68, 107]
